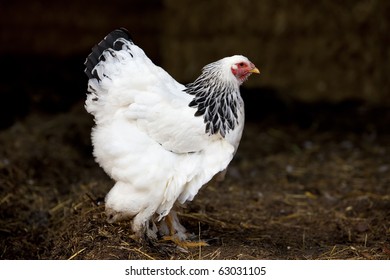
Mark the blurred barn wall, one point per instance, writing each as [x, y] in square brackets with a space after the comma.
[311, 50]
[308, 51]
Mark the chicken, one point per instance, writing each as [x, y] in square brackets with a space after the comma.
[159, 140]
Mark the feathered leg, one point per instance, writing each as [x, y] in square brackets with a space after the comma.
[173, 231]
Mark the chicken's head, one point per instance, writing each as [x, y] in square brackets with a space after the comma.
[241, 68]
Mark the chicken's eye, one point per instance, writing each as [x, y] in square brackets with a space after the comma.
[242, 64]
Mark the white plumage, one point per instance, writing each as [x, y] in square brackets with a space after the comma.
[159, 140]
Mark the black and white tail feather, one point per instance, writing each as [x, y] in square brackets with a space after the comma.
[114, 41]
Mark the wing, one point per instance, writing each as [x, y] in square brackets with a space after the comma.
[125, 84]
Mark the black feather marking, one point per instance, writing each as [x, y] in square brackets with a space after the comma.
[200, 111]
[208, 126]
[193, 103]
[221, 111]
[215, 119]
[233, 105]
[201, 99]
[216, 100]
[230, 123]
[112, 42]
[118, 45]
[212, 109]
[234, 109]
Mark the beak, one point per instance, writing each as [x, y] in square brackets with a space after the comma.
[255, 70]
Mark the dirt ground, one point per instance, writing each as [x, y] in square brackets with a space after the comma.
[308, 182]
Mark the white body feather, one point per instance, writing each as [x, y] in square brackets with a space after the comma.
[147, 137]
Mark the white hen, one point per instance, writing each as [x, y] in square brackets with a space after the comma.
[159, 140]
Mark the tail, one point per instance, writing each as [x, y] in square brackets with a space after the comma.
[109, 42]
[103, 65]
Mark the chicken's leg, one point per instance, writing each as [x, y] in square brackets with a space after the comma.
[177, 233]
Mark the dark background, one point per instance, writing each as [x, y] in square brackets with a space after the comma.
[325, 52]
[310, 179]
